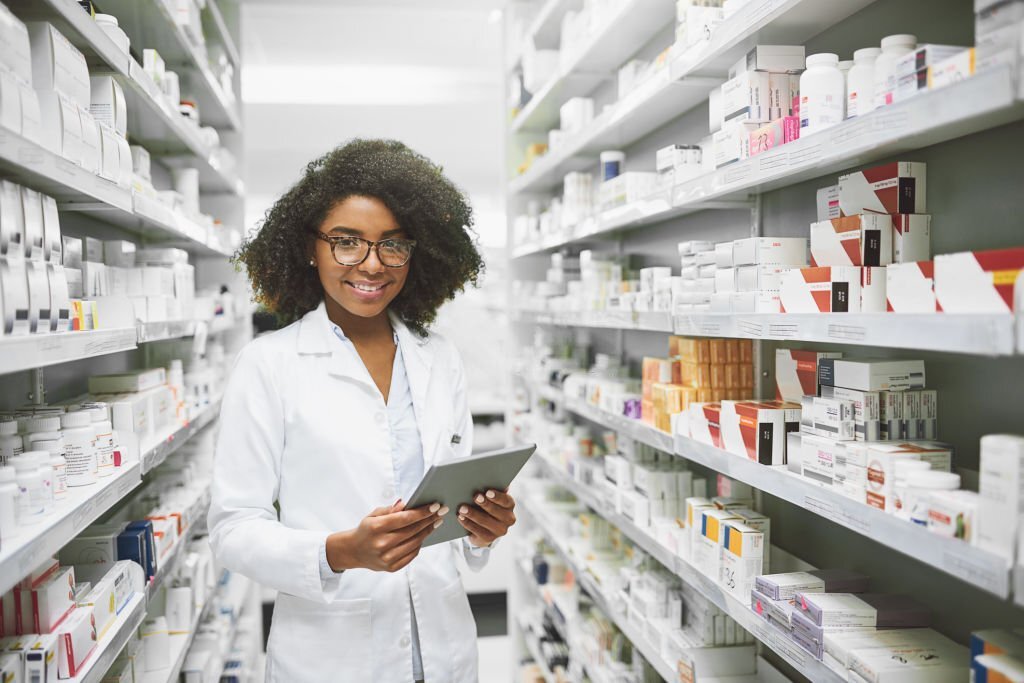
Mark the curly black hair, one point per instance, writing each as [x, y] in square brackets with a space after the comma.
[426, 204]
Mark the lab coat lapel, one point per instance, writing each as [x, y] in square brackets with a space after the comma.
[418, 355]
[316, 337]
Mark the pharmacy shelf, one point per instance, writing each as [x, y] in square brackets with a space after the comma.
[179, 646]
[28, 352]
[151, 121]
[157, 451]
[149, 24]
[169, 564]
[533, 646]
[980, 334]
[986, 100]
[163, 331]
[30, 164]
[617, 320]
[627, 29]
[82, 506]
[655, 102]
[796, 657]
[546, 28]
[124, 627]
[213, 17]
[974, 566]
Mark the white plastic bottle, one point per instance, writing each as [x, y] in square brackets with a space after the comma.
[41, 429]
[42, 461]
[80, 448]
[920, 484]
[10, 443]
[104, 431]
[30, 489]
[893, 47]
[59, 465]
[860, 82]
[822, 92]
[9, 517]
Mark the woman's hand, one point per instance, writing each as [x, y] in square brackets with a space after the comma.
[386, 540]
[490, 518]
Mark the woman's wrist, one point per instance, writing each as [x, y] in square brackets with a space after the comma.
[338, 551]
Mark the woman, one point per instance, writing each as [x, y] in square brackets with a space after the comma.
[328, 424]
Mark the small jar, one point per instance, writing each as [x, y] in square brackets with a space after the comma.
[11, 444]
[822, 93]
[80, 448]
[31, 504]
[612, 162]
[108, 23]
[9, 512]
[59, 465]
[893, 47]
[922, 482]
[901, 469]
[860, 82]
[104, 431]
[41, 429]
[42, 461]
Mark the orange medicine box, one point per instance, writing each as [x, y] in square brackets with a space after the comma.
[757, 430]
[719, 352]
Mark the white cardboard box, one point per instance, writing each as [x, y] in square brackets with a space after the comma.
[833, 289]
[107, 104]
[896, 187]
[57, 64]
[978, 281]
[858, 240]
[910, 287]
[770, 250]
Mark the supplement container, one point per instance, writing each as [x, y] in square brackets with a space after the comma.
[893, 47]
[41, 429]
[822, 93]
[59, 465]
[42, 461]
[80, 448]
[8, 503]
[612, 162]
[100, 414]
[108, 23]
[10, 443]
[902, 468]
[860, 82]
[30, 489]
[922, 482]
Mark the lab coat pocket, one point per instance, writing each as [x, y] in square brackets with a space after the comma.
[461, 627]
[334, 640]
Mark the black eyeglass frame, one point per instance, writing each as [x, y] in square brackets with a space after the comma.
[370, 246]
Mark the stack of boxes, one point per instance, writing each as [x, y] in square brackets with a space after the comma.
[997, 655]
[697, 276]
[34, 297]
[754, 111]
[19, 103]
[696, 21]
[697, 371]
[859, 635]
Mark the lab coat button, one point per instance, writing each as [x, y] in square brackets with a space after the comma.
[405, 641]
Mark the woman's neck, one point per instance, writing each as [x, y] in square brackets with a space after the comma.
[358, 328]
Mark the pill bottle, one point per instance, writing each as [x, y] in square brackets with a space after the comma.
[41, 429]
[901, 469]
[612, 162]
[30, 489]
[59, 465]
[108, 23]
[860, 82]
[922, 482]
[80, 448]
[822, 92]
[9, 512]
[104, 431]
[42, 461]
[893, 47]
[10, 443]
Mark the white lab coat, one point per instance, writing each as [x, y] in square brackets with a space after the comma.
[303, 424]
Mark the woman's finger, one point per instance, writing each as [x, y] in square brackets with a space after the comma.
[498, 498]
[483, 519]
[477, 530]
[499, 512]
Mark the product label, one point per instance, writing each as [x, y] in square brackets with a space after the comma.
[105, 454]
[82, 464]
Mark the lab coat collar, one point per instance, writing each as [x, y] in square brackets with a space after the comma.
[316, 336]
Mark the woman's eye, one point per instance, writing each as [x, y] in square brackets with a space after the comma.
[348, 243]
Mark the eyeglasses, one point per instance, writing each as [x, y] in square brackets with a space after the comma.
[349, 250]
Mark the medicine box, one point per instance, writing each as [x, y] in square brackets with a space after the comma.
[756, 302]
[858, 240]
[40, 659]
[707, 555]
[896, 187]
[137, 381]
[978, 281]
[791, 251]
[866, 410]
[57, 64]
[834, 418]
[732, 142]
[1001, 485]
[52, 601]
[743, 551]
[833, 289]
[946, 663]
[705, 423]
[819, 455]
[827, 200]
[77, 641]
[922, 57]
[872, 375]
[771, 58]
[757, 430]
[796, 372]
[953, 513]
[786, 586]
[883, 610]
[745, 98]
[910, 287]
[767, 137]
[952, 70]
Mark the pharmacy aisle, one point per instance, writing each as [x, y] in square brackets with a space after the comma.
[120, 202]
[767, 293]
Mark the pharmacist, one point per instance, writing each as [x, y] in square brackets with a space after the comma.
[335, 418]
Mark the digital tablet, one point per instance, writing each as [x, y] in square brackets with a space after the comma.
[455, 482]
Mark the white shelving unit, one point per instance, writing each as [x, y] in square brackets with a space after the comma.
[120, 632]
[180, 643]
[157, 451]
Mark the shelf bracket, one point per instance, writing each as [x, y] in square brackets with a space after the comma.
[37, 387]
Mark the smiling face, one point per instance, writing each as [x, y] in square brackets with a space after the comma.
[364, 290]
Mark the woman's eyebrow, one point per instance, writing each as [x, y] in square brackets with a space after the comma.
[343, 230]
